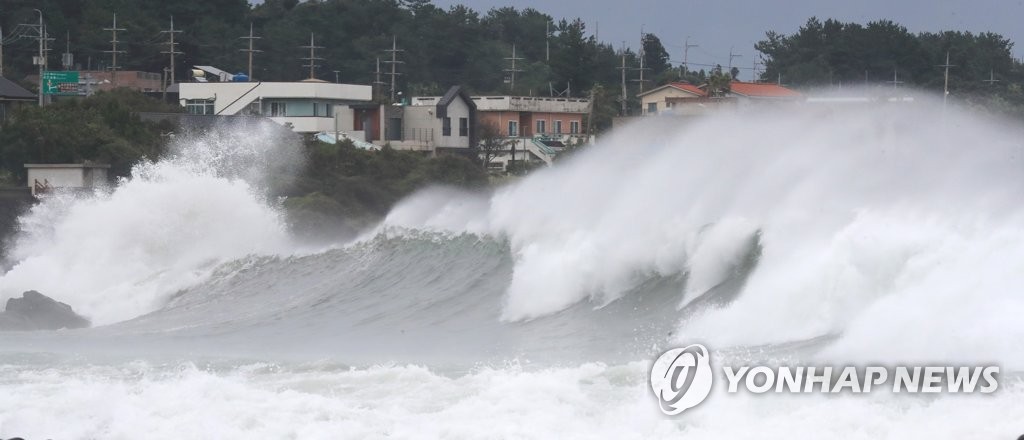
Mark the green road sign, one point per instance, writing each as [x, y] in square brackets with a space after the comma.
[61, 83]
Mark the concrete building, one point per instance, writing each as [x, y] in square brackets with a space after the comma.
[43, 178]
[11, 96]
[437, 123]
[528, 116]
[305, 106]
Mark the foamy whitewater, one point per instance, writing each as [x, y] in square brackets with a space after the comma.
[887, 234]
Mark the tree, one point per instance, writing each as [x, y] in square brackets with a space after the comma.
[718, 82]
[492, 142]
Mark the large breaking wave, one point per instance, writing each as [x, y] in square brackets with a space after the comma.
[883, 234]
[893, 232]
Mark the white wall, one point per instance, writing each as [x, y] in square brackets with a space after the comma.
[457, 109]
[232, 97]
[59, 176]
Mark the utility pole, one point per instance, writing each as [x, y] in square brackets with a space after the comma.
[172, 50]
[547, 42]
[686, 54]
[66, 59]
[377, 83]
[2, 51]
[895, 79]
[731, 56]
[250, 51]
[336, 72]
[312, 58]
[624, 98]
[991, 78]
[642, 56]
[945, 85]
[113, 51]
[513, 70]
[40, 60]
[394, 64]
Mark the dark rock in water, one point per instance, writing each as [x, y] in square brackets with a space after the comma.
[35, 311]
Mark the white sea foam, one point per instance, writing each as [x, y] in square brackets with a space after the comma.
[593, 401]
[119, 253]
[896, 226]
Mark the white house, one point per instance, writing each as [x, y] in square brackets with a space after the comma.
[434, 123]
[43, 178]
[306, 106]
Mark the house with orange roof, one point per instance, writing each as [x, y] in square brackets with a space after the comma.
[674, 98]
[762, 91]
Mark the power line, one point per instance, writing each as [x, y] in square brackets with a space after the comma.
[250, 51]
[394, 63]
[513, 70]
[113, 51]
[312, 58]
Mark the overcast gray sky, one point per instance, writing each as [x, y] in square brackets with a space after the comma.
[718, 25]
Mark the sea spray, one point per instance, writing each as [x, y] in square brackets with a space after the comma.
[116, 254]
[903, 214]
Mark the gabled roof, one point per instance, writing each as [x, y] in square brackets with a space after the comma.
[681, 86]
[449, 96]
[10, 90]
[761, 90]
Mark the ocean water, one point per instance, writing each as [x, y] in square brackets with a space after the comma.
[823, 236]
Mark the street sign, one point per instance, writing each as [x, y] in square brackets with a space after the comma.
[62, 83]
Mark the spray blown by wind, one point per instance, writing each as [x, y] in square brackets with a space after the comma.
[119, 253]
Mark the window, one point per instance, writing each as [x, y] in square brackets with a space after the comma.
[316, 109]
[542, 126]
[199, 106]
[463, 127]
[278, 109]
[513, 128]
[558, 127]
[574, 127]
[652, 108]
[446, 127]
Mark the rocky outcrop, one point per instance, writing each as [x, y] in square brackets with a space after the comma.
[35, 311]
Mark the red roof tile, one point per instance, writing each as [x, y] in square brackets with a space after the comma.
[762, 90]
[687, 87]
